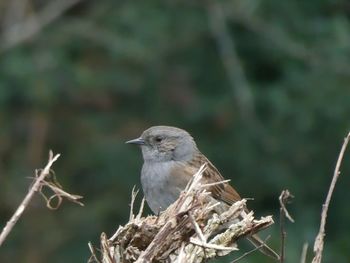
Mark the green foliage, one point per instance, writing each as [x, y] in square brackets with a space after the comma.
[106, 70]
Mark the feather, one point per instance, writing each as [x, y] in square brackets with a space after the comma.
[223, 192]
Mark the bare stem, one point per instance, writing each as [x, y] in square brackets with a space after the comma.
[251, 251]
[283, 235]
[284, 198]
[319, 241]
[35, 187]
[304, 253]
[30, 26]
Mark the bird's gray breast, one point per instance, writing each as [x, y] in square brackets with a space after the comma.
[160, 187]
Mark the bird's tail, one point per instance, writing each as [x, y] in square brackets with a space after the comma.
[265, 249]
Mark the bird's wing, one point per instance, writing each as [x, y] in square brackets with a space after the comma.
[227, 194]
[224, 191]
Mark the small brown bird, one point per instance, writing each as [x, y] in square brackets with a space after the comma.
[171, 158]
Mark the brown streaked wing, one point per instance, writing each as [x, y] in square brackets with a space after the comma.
[223, 192]
[181, 174]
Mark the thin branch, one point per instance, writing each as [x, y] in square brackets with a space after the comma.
[35, 187]
[195, 181]
[182, 256]
[59, 194]
[197, 229]
[30, 26]
[283, 235]
[284, 198]
[209, 245]
[139, 215]
[133, 197]
[319, 241]
[304, 253]
[115, 235]
[93, 257]
[251, 251]
[216, 183]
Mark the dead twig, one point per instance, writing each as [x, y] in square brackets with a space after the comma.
[33, 24]
[59, 194]
[251, 251]
[194, 229]
[304, 253]
[319, 241]
[42, 178]
[11, 223]
[133, 197]
[284, 198]
[93, 257]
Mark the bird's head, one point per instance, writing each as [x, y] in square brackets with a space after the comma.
[165, 143]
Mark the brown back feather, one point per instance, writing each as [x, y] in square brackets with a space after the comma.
[223, 192]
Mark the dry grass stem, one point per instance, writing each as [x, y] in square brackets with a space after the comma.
[93, 257]
[193, 229]
[17, 32]
[58, 193]
[35, 187]
[43, 177]
[284, 198]
[319, 241]
[133, 197]
[304, 253]
[251, 251]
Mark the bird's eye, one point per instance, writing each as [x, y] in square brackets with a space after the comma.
[158, 138]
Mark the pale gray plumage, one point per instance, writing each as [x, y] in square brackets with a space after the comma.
[164, 144]
[171, 158]
[164, 149]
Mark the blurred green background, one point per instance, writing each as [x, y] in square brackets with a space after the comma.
[263, 86]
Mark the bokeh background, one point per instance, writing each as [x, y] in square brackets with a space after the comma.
[263, 86]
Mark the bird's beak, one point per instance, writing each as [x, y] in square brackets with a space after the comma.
[138, 141]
